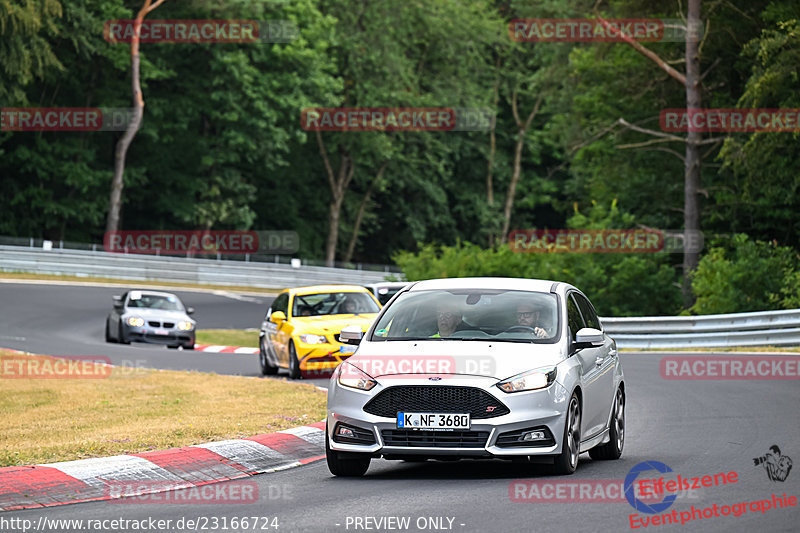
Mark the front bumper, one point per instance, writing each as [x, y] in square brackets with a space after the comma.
[154, 335]
[320, 358]
[527, 410]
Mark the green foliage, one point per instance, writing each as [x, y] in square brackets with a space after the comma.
[25, 52]
[747, 276]
[618, 284]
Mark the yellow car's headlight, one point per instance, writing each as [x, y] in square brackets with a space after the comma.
[135, 321]
[185, 326]
[310, 338]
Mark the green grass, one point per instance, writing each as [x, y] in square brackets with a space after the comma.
[228, 337]
[132, 410]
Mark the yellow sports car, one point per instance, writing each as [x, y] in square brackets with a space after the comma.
[301, 329]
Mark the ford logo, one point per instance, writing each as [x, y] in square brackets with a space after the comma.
[435, 378]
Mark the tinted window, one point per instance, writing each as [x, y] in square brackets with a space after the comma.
[587, 311]
[470, 314]
[281, 303]
[333, 303]
[574, 319]
[154, 301]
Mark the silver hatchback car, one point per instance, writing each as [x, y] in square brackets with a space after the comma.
[478, 368]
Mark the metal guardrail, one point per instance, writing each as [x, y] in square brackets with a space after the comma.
[765, 328]
[135, 267]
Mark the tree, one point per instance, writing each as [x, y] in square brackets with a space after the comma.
[117, 183]
[25, 52]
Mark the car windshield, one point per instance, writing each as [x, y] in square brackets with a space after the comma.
[155, 301]
[476, 314]
[333, 303]
[386, 294]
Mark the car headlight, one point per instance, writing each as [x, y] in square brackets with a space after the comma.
[355, 378]
[135, 321]
[530, 380]
[309, 338]
[183, 325]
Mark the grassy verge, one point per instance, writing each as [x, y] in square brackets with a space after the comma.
[228, 337]
[765, 349]
[131, 410]
[134, 283]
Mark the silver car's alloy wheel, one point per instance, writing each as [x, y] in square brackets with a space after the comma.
[567, 461]
[619, 420]
[574, 432]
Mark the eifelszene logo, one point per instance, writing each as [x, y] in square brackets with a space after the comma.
[777, 466]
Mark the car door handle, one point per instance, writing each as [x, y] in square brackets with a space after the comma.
[599, 361]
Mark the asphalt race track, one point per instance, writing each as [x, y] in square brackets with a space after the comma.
[696, 427]
[70, 320]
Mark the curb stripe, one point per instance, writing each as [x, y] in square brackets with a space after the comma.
[254, 457]
[286, 444]
[24, 487]
[195, 464]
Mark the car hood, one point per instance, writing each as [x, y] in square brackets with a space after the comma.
[332, 324]
[497, 360]
[162, 314]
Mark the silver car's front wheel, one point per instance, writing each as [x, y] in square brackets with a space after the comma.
[345, 464]
[567, 461]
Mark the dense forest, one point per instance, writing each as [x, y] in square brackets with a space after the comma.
[576, 141]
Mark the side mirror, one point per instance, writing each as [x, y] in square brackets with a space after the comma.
[588, 338]
[277, 316]
[351, 335]
[117, 301]
[190, 310]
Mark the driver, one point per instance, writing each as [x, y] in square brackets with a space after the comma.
[448, 319]
[528, 316]
[349, 305]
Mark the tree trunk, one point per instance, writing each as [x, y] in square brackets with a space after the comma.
[338, 185]
[691, 200]
[351, 246]
[118, 183]
[512, 187]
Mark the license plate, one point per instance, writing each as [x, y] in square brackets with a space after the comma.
[433, 420]
[347, 348]
[161, 332]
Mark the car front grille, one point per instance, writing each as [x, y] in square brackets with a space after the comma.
[435, 399]
[414, 438]
[169, 324]
[154, 324]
